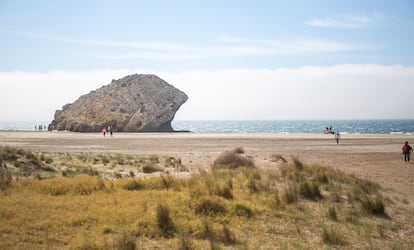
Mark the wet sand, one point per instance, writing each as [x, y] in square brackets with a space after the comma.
[376, 158]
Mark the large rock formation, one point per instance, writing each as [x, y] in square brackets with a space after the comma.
[135, 103]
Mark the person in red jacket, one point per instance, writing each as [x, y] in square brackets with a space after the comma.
[407, 149]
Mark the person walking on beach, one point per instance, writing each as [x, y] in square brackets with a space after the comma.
[104, 131]
[337, 137]
[110, 130]
[407, 149]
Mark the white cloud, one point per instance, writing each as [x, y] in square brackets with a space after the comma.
[225, 46]
[335, 92]
[246, 48]
[105, 43]
[346, 21]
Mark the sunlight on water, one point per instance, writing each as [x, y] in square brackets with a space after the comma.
[283, 126]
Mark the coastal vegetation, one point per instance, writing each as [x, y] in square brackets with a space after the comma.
[230, 206]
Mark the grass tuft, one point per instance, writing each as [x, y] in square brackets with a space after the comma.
[185, 243]
[242, 210]
[148, 169]
[310, 191]
[374, 206]
[228, 237]
[126, 242]
[298, 164]
[333, 236]
[134, 185]
[289, 195]
[210, 206]
[332, 214]
[164, 221]
[6, 179]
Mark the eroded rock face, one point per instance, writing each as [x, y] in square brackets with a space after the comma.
[135, 103]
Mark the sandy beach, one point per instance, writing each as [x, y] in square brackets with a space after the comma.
[376, 158]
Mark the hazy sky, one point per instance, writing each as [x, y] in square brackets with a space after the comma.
[234, 59]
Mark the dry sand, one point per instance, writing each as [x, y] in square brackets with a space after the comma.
[377, 158]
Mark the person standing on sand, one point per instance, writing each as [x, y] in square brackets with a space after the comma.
[110, 130]
[104, 131]
[337, 137]
[407, 149]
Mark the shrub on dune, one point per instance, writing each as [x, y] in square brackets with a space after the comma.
[233, 159]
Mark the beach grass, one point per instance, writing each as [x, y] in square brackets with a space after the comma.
[107, 166]
[290, 207]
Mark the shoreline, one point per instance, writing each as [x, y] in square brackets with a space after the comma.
[375, 157]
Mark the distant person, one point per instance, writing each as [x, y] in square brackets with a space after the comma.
[337, 137]
[104, 131]
[110, 130]
[407, 149]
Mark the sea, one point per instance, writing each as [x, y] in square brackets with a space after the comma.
[265, 126]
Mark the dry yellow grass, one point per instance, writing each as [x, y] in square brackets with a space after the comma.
[243, 208]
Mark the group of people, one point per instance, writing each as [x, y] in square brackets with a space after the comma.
[40, 128]
[108, 130]
[331, 131]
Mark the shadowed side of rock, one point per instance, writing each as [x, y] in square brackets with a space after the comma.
[135, 103]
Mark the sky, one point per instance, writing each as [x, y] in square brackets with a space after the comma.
[236, 60]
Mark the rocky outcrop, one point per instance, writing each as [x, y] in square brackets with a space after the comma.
[135, 103]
